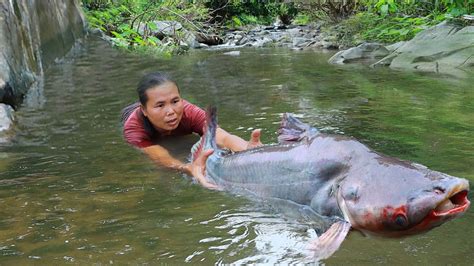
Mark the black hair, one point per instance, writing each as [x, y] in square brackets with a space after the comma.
[127, 111]
[150, 81]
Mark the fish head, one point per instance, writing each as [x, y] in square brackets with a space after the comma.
[394, 198]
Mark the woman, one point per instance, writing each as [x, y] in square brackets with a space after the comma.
[162, 112]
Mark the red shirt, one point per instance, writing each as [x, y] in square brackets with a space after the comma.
[192, 121]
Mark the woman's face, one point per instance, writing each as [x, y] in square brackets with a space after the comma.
[164, 107]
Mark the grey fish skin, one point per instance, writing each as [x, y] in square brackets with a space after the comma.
[341, 177]
[288, 172]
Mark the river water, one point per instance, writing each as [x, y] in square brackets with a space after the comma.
[71, 190]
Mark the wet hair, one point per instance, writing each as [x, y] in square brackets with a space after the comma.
[150, 81]
[127, 111]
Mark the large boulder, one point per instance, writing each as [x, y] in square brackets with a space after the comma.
[172, 29]
[33, 34]
[363, 51]
[393, 47]
[444, 48]
[161, 28]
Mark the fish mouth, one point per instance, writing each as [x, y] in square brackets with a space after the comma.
[455, 203]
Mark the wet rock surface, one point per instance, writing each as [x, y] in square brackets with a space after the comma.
[6, 118]
[363, 51]
[292, 37]
[34, 34]
[444, 48]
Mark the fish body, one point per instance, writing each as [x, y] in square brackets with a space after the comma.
[339, 180]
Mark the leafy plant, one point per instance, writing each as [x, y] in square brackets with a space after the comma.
[457, 8]
[420, 7]
[301, 19]
[386, 6]
[386, 29]
[335, 11]
[131, 23]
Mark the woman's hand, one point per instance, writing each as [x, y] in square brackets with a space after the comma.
[198, 170]
[254, 139]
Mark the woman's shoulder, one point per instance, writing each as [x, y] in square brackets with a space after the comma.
[191, 108]
[134, 120]
[134, 131]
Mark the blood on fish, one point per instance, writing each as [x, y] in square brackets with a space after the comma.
[399, 211]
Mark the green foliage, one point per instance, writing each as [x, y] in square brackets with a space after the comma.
[286, 12]
[251, 11]
[366, 26]
[107, 19]
[96, 4]
[391, 21]
[396, 29]
[454, 8]
[333, 10]
[457, 8]
[386, 6]
[130, 23]
[244, 20]
[336, 10]
[301, 19]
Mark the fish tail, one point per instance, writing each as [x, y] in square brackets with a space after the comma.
[208, 139]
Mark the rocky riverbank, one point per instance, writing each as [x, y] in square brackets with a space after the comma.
[292, 36]
[446, 48]
[33, 34]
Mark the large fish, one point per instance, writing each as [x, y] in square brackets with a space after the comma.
[337, 182]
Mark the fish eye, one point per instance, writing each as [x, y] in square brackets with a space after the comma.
[401, 220]
[352, 194]
[439, 190]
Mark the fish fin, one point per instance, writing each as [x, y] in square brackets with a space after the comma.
[329, 242]
[208, 139]
[300, 212]
[293, 130]
[196, 150]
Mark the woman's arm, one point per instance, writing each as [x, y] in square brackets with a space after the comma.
[235, 143]
[197, 169]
